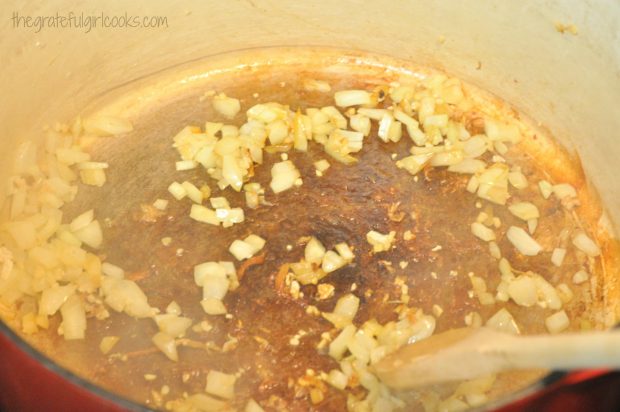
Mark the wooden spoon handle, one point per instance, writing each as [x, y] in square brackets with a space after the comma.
[561, 352]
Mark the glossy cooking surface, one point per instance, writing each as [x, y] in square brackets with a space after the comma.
[341, 206]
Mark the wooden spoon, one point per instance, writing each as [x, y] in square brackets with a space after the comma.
[469, 353]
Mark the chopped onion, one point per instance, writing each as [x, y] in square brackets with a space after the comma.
[546, 188]
[467, 166]
[252, 405]
[93, 177]
[221, 384]
[204, 214]
[360, 123]
[501, 132]
[173, 325]
[313, 85]
[73, 318]
[107, 343]
[523, 241]
[283, 176]
[177, 190]
[379, 241]
[482, 232]
[332, 261]
[337, 379]
[91, 234]
[338, 346]
[346, 98]
[82, 220]
[413, 164]
[586, 244]
[321, 165]
[111, 270]
[557, 322]
[213, 306]
[53, 298]
[564, 190]
[384, 127]
[557, 257]
[580, 277]
[215, 269]
[226, 106]
[504, 322]
[524, 210]
[106, 125]
[314, 251]
[522, 290]
[345, 251]
[167, 345]
[160, 204]
[517, 179]
[124, 295]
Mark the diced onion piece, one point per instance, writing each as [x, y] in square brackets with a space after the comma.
[321, 165]
[92, 165]
[564, 190]
[23, 232]
[283, 176]
[586, 244]
[192, 192]
[53, 298]
[226, 106]
[566, 294]
[107, 343]
[215, 287]
[517, 179]
[475, 146]
[93, 177]
[73, 318]
[221, 384]
[413, 164]
[504, 322]
[337, 379]
[385, 124]
[204, 214]
[252, 405]
[82, 220]
[332, 261]
[346, 98]
[106, 125]
[124, 295]
[241, 250]
[524, 210]
[167, 345]
[345, 251]
[524, 243]
[523, 291]
[494, 184]
[482, 232]
[412, 125]
[497, 131]
[360, 123]
[447, 158]
[214, 269]
[111, 270]
[532, 224]
[314, 251]
[90, 234]
[313, 85]
[548, 296]
[338, 346]
[173, 325]
[183, 165]
[580, 277]
[173, 308]
[160, 204]
[467, 166]
[557, 322]
[546, 188]
[347, 306]
[219, 203]
[213, 306]
[177, 190]
[257, 242]
[436, 120]
[379, 241]
[355, 140]
[557, 256]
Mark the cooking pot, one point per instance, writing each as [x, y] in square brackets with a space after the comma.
[556, 61]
